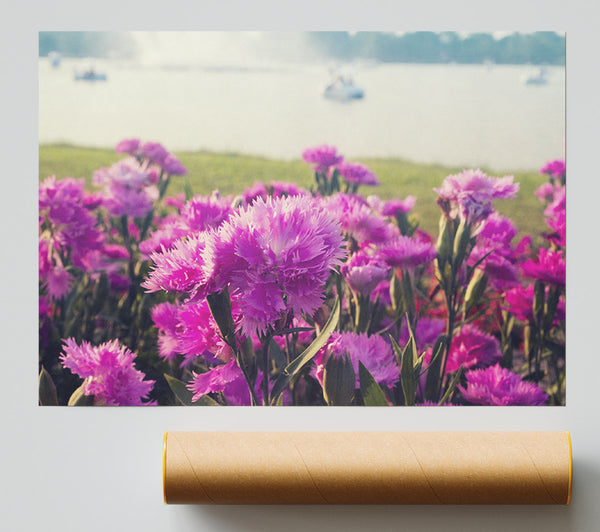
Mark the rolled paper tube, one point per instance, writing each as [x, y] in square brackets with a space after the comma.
[367, 468]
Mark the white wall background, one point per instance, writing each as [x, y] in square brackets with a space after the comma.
[100, 469]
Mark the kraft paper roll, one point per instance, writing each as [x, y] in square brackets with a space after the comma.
[367, 468]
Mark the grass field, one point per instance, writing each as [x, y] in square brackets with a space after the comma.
[231, 173]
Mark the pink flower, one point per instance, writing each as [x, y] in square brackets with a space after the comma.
[358, 220]
[58, 282]
[470, 194]
[498, 386]
[154, 151]
[357, 174]
[127, 188]
[407, 253]
[545, 192]
[519, 301]
[364, 272]
[549, 267]
[322, 158]
[129, 146]
[172, 166]
[472, 347]
[555, 169]
[215, 379]
[108, 371]
[274, 188]
[373, 351]
[276, 255]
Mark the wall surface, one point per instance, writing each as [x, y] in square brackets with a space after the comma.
[100, 469]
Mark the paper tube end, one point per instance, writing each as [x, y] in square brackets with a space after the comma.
[164, 467]
[570, 467]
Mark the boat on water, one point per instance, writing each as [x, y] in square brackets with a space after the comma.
[343, 88]
[55, 59]
[539, 77]
[90, 75]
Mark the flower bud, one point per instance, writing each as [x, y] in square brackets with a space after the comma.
[444, 242]
[461, 242]
[475, 289]
[339, 380]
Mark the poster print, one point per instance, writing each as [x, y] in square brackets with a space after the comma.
[314, 218]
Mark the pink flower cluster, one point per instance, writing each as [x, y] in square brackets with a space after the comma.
[108, 371]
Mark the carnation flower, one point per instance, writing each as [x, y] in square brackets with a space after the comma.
[276, 255]
[276, 189]
[357, 174]
[322, 158]
[555, 169]
[129, 146]
[519, 302]
[395, 206]
[373, 351]
[154, 151]
[72, 227]
[497, 386]
[172, 166]
[407, 253]
[215, 379]
[559, 203]
[472, 347]
[358, 220]
[108, 371]
[426, 333]
[545, 192]
[127, 188]
[179, 269]
[364, 272]
[58, 282]
[470, 193]
[549, 267]
[558, 224]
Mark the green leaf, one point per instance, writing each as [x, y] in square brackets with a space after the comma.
[372, 393]
[450, 389]
[308, 354]
[78, 398]
[434, 369]
[407, 372]
[47, 389]
[184, 396]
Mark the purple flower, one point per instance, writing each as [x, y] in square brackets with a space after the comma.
[364, 272]
[322, 158]
[58, 282]
[358, 220]
[274, 188]
[357, 174]
[373, 351]
[549, 267]
[127, 188]
[407, 253]
[470, 194]
[165, 318]
[555, 169]
[154, 151]
[215, 379]
[472, 347]
[559, 202]
[108, 371]
[395, 207]
[179, 269]
[172, 165]
[545, 192]
[276, 255]
[558, 224]
[495, 252]
[426, 333]
[519, 301]
[63, 211]
[129, 146]
[497, 386]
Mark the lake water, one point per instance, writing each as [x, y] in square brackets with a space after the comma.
[463, 115]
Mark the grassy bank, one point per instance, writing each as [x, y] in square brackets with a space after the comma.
[231, 173]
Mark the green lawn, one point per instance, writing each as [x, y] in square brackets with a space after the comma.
[230, 173]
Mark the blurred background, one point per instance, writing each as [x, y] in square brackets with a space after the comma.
[490, 100]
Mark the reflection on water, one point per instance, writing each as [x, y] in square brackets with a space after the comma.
[464, 115]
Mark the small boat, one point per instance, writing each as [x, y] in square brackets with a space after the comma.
[90, 75]
[55, 59]
[342, 88]
[537, 78]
